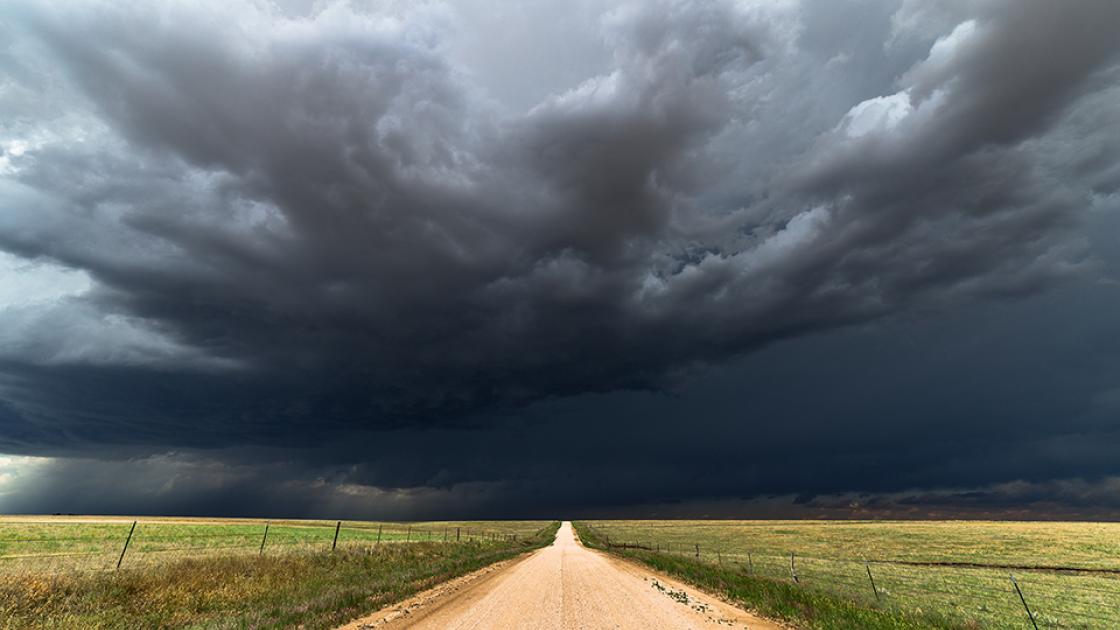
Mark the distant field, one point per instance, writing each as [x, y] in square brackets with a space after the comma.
[1069, 573]
[91, 543]
[60, 572]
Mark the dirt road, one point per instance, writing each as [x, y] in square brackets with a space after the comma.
[563, 586]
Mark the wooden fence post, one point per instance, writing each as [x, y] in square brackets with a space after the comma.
[263, 538]
[793, 569]
[379, 534]
[126, 541]
[867, 566]
[1024, 600]
[335, 542]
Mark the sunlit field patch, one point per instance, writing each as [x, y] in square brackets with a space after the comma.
[214, 574]
[47, 544]
[952, 573]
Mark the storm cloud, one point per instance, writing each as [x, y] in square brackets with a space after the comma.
[286, 233]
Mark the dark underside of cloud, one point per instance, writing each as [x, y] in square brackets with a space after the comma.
[353, 258]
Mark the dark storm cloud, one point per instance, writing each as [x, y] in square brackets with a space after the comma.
[279, 226]
[906, 420]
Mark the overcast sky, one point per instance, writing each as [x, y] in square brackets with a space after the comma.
[421, 259]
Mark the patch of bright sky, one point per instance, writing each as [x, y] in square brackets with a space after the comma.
[882, 113]
[42, 323]
[15, 467]
[25, 283]
[9, 150]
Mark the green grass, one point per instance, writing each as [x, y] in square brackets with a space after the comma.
[304, 588]
[952, 574]
[93, 544]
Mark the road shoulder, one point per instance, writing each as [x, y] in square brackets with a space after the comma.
[715, 607]
[472, 586]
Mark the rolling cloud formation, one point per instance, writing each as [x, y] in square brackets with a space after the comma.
[242, 223]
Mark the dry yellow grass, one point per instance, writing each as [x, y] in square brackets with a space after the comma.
[307, 588]
[1069, 572]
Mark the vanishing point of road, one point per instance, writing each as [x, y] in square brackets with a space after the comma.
[560, 587]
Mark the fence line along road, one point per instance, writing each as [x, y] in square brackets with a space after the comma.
[87, 545]
[1046, 597]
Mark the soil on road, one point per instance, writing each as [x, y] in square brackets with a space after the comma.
[563, 586]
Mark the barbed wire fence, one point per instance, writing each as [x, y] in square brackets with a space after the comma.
[994, 596]
[77, 546]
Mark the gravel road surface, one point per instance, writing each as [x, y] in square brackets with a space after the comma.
[563, 586]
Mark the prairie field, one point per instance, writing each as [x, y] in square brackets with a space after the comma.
[61, 572]
[965, 574]
[91, 543]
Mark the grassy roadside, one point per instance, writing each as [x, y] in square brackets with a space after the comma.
[782, 601]
[306, 590]
[62, 544]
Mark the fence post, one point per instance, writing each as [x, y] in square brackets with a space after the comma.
[793, 569]
[457, 530]
[408, 535]
[263, 538]
[697, 552]
[1024, 600]
[719, 558]
[750, 563]
[126, 541]
[378, 534]
[867, 566]
[336, 528]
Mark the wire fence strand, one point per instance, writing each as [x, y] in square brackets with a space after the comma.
[974, 590]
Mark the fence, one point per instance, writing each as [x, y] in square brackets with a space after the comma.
[971, 593]
[87, 545]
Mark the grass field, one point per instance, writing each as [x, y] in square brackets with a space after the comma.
[60, 572]
[953, 574]
[41, 544]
